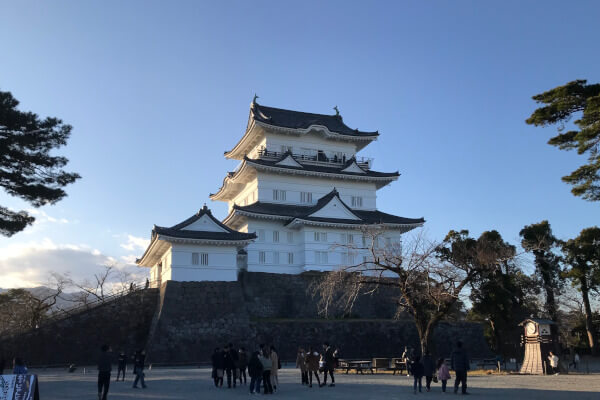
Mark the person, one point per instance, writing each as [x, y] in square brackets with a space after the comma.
[255, 370]
[121, 365]
[242, 364]
[2, 362]
[19, 367]
[428, 369]
[231, 358]
[218, 365]
[301, 363]
[460, 365]
[575, 361]
[416, 369]
[276, 364]
[104, 368]
[329, 364]
[443, 373]
[553, 369]
[312, 365]
[406, 359]
[138, 369]
[267, 364]
[147, 283]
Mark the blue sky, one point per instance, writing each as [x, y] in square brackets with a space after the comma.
[157, 91]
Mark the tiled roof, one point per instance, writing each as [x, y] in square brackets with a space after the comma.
[177, 231]
[322, 169]
[303, 212]
[302, 120]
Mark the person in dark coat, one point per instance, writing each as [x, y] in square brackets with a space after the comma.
[218, 365]
[255, 370]
[138, 369]
[329, 365]
[460, 365]
[312, 365]
[104, 368]
[231, 358]
[121, 365]
[428, 369]
[242, 364]
[416, 369]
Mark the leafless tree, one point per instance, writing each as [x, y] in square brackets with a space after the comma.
[429, 277]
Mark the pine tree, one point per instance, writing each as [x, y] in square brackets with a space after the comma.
[27, 170]
[561, 104]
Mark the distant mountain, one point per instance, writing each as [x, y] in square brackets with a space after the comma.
[64, 301]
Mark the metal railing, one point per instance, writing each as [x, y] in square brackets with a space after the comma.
[319, 159]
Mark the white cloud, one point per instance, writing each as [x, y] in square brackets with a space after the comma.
[29, 264]
[135, 243]
[42, 220]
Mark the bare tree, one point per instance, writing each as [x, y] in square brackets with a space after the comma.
[24, 309]
[429, 277]
[104, 283]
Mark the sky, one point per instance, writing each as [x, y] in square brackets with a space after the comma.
[157, 91]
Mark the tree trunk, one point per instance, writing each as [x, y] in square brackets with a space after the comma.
[589, 326]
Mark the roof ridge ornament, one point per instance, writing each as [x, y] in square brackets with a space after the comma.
[254, 99]
[337, 112]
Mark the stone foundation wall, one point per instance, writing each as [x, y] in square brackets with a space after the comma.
[260, 308]
[123, 323]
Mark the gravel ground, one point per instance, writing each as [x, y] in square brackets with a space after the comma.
[188, 383]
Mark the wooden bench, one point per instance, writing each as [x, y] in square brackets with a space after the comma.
[358, 365]
[489, 361]
[381, 363]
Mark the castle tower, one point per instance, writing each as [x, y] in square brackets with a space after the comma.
[303, 190]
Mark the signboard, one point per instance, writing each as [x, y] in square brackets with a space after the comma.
[545, 330]
[19, 387]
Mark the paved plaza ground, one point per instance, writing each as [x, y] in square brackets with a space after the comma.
[194, 383]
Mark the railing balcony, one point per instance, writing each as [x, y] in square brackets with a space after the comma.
[320, 159]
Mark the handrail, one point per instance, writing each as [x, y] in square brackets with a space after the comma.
[58, 315]
[322, 159]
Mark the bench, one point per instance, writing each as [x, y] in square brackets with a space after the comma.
[489, 361]
[358, 365]
[398, 365]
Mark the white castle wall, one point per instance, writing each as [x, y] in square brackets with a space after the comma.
[319, 187]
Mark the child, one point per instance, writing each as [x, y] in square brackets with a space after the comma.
[443, 373]
[416, 369]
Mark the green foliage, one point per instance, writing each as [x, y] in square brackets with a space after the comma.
[539, 240]
[501, 300]
[582, 256]
[560, 105]
[27, 170]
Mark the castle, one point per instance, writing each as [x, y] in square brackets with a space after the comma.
[298, 201]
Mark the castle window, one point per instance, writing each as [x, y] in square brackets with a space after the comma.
[357, 201]
[321, 257]
[275, 236]
[306, 197]
[320, 236]
[262, 257]
[290, 237]
[195, 259]
[203, 258]
[290, 258]
[278, 195]
[347, 238]
[261, 235]
[275, 257]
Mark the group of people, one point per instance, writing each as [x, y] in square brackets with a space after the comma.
[105, 362]
[424, 366]
[312, 362]
[263, 365]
